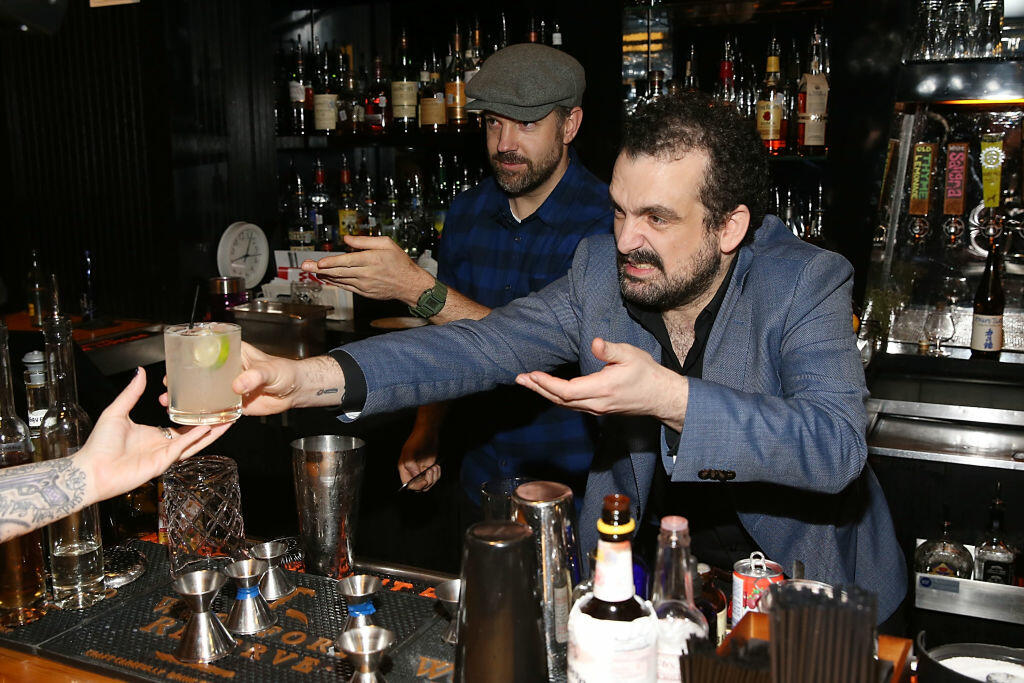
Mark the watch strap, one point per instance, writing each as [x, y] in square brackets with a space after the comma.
[431, 301]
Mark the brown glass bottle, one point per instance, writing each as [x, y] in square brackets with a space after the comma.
[989, 301]
[613, 575]
[713, 603]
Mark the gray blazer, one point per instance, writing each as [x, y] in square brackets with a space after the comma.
[779, 413]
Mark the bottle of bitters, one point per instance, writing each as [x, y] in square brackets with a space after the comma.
[612, 632]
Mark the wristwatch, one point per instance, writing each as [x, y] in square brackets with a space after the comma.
[431, 301]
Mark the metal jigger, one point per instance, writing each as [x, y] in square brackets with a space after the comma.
[358, 591]
[365, 647]
[448, 595]
[205, 639]
[275, 583]
[250, 613]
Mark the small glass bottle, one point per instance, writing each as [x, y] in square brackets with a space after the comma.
[22, 572]
[37, 397]
[610, 628]
[713, 604]
[944, 556]
[35, 290]
[680, 623]
[76, 548]
[994, 557]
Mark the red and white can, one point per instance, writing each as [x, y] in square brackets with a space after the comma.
[751, 579]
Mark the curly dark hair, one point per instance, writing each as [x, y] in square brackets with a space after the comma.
[737, 169]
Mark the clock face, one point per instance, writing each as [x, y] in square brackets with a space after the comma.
[243, 252]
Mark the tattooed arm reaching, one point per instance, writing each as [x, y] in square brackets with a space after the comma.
[118, 456]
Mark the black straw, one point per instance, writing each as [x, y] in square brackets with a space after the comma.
[195, 301]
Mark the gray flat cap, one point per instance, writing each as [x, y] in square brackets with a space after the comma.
[526, 81]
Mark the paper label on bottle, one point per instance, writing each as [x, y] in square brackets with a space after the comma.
[921, 177]
[769, 118]
[956, 168]
[812, 108]
[987, 333]
[403, 99]
[997, 572]
[348, 219]
[455, 100]
[562, 614]
[325, 112]
[992, 157]
[296, 91]
[721, 625]
[432, 112]
[621, 651]
[35, 418]
[613, 574]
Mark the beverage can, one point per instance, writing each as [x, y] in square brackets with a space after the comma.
[751, 579]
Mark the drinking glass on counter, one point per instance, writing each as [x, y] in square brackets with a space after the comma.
[939, 328]
[202, 361]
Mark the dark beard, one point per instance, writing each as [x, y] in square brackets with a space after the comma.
[669, 294]
[516, 184]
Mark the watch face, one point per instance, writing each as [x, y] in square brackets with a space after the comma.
[243, 252]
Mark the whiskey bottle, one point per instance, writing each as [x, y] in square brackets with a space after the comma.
[325, 93]
[377, 107]
[404, 89]
[987, 324]
[297, 90]
[432, 99]
[680, 623]
[610, 628]
[22, 574]
[770, 110]
[994, 557]
[812, 102]
[455, 86]
[713, 604]
[944, 556]
[76, 548]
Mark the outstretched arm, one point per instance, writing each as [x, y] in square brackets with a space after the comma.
[118, 456]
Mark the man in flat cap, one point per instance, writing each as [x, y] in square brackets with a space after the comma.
[511, 235]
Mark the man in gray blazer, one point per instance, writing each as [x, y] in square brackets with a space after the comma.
[716, 347]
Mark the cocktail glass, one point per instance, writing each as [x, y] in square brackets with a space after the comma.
[202, 361]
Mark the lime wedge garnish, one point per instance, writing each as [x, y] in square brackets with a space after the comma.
[210, 350]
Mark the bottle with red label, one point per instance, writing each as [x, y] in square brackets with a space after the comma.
[377, 105]
[612, 632]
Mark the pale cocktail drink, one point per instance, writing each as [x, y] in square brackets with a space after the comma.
[201, 364]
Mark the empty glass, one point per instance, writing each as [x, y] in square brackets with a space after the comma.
[988, 29]
[202, 503]
[939, 328]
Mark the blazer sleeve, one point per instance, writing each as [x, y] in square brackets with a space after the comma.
[429, 364]
[812, 434]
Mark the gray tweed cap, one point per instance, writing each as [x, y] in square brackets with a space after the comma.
[526, 81]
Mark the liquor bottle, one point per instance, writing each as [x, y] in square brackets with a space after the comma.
[502, 32]
[348, 214]
[680, 623]
[388, 216]
[474, 55]
[351, 112]
[944, 556]
[377, 106]
[22, 574]
[691, 81]
[35, 290]
[369, 219]
[713, 604]
[557, 41]
[455, 86]
[300, 230]
[297, 89]
[770, 108]
[610, 628]
[404, 89]
[533, 30]
[987, 324]
[725, 88]
[87, 296]
[433, 113]
[282, 101]
[816, 225]
[655, 85]
[325, 93]
[322, 214]
[76, 548]
[994, 557]
[812, 102]
[36, 395]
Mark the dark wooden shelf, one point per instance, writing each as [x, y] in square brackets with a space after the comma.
[414, 140]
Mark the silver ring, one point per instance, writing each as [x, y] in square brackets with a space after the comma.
[168, 434]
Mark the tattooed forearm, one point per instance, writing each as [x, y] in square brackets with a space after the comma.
[36, 494]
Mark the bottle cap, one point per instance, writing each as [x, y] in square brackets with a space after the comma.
[674, 523]
[703, 568]
[35, 364]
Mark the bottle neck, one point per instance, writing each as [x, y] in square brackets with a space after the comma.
[674, 570]
[60, 362]
[6, 381]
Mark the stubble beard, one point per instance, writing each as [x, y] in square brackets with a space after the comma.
[536, 174]
[666, 293]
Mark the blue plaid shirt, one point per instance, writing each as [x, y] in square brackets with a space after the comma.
[492, 258]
